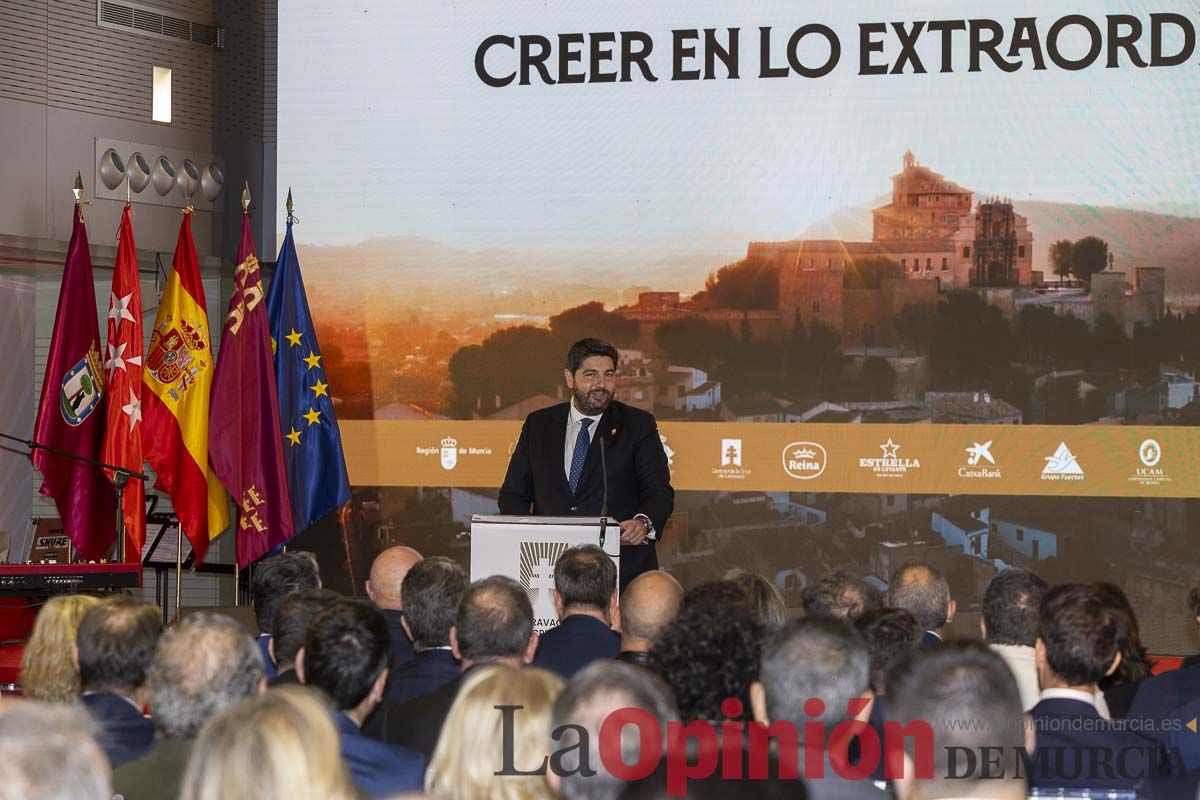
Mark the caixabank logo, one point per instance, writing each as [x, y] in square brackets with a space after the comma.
[804, 460]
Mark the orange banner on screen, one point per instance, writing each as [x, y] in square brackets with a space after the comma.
[1124, 461]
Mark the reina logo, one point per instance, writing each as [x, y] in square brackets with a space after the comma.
[731, 461]
[1062, 466]
[1150, 473]
[891, 465]
[977, 454]
[804, 460]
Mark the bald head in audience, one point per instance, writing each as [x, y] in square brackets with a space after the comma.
[648, 604]
[922, 591]
[494, 624]
[387, 574]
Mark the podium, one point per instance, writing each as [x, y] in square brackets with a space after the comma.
[525, 549]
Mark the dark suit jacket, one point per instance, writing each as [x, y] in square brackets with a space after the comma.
[639, 657]
[1071, 733]
[428, 670]
[378, 768]
[929, 639]
[639, 480]
[287, 677]
[574, 643]
[263, 641]
[158, 775]
[1159, 696]
[402, 649]
[416, 724]
[124, 733]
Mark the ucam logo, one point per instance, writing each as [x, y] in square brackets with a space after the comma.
[1062, 466]
[804, 460]
[1151, 473]
[977, 454]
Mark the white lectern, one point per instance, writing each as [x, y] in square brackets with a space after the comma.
[525, 549]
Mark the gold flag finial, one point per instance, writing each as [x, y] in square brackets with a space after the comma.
[289, 202]
[78, 190]
[246, 197]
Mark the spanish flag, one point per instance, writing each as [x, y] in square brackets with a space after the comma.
[178, 373]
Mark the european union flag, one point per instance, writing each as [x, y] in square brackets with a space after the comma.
[312, 445]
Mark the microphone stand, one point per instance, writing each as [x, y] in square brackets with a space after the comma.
[120, 480]
[604, 497]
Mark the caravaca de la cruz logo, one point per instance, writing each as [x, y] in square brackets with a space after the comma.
[804, 460]
[980, 462]
[731, 461]
[449, 451]
[82, 388]
[891, 464]
[177, 355]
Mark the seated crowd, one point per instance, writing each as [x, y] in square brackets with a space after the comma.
[442, 686]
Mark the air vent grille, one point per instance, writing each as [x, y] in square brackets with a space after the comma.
[150, 21]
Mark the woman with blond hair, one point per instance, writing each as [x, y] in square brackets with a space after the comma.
[280, 745]
[48, 669]
[470, 749]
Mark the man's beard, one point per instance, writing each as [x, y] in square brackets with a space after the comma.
[593, 402]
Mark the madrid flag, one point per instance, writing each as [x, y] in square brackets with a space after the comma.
[70, 414]
[178, 375]
[123, 370]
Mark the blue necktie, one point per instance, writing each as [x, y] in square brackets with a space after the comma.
[582, 442]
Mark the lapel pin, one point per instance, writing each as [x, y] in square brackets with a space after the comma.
[613, 432]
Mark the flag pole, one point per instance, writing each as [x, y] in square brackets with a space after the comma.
[178, 569]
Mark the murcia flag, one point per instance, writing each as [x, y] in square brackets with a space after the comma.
[245, 443]
[178, 374]
[123, 375]
[71, 411]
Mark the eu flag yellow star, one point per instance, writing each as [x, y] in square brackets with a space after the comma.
[320, 389]
[293, 337]
[313, 360]
[294, 436]
[313, 416]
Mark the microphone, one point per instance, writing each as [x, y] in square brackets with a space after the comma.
[603, 497]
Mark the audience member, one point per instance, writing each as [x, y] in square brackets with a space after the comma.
[494, 625]
[384, 587]
[764, 596]
[47, 670]
[1193, 601]
[841, 595]
[431, 592]
[1078, 645]
[1118, 689]
[279, 745]
[345, 655]
[585, 597]
[711, 651]
[949, 688]
[203, 664]
[273, 580]
[49, 754]
[113, 651]
[289, 627]
[1009, 625]
[589, 698]
[821, 658]
[891, 634]
[474, 746]
[922, 591]
[648, 604]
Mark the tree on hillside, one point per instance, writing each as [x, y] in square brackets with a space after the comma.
[914, 325]
[815, 362]
[693, 342]
[1089, 255]
[971, 343]
[510, 365]
[747, 284]
[878, 379]
[1061, 258]
[590, 319]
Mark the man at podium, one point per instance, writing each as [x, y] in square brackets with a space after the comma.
[565, 452]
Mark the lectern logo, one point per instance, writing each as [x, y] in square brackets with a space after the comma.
[537, 579]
